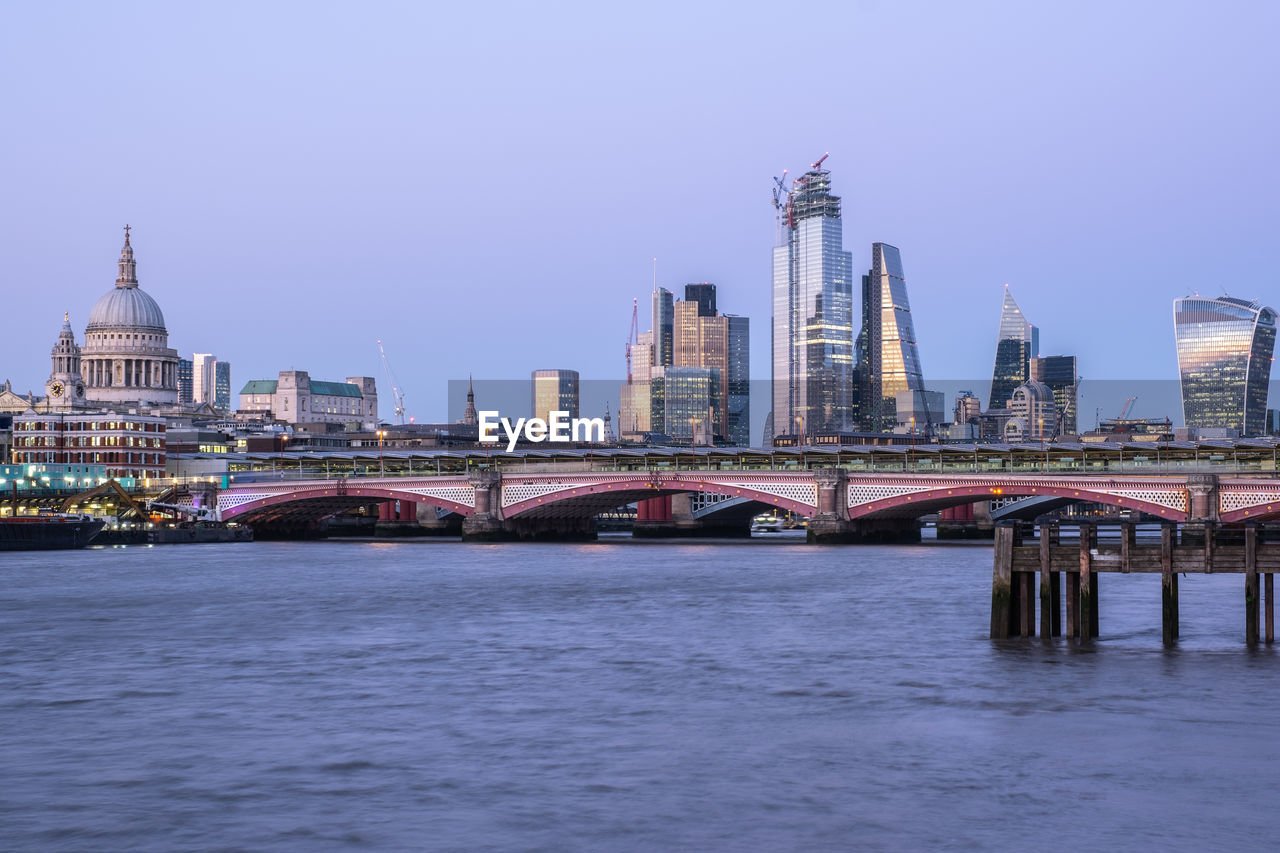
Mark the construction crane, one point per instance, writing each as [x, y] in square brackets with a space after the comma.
[1127, 405]
[633, 337]
[397, 395]
[781, 202]
[818, 164]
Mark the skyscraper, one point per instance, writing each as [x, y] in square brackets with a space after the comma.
[889, 359]
[739, 383]
[706, 338]
[222, 386]
[555, 391]
[1224, 361]
[186, 381]
[1059, 373]
[812, 346]
[1018, 342]
[663, 326]
[202, 377]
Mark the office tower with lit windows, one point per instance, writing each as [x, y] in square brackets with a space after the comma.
[888, 355]
[738, 385]
[186, 381]
[663, 326]
[555, 390]
[1017, 344]
[222, 386]
[1224, 361]
[812, 340]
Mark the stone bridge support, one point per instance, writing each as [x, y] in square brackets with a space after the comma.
[831, 524]
[485, 524]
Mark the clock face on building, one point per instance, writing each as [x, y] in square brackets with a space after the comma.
[56, 389]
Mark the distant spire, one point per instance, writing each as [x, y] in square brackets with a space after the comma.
[128, 275]
[469, 416]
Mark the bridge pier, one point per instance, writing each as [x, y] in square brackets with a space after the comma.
[654, 519]
[485, 523]
[967, 521]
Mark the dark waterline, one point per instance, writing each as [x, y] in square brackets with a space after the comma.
[434, 695]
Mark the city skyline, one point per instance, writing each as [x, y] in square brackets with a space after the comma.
[243, 239]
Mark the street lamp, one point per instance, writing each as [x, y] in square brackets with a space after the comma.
[382, 472]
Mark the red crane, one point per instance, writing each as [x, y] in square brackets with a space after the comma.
[818, 164]
[633, 337]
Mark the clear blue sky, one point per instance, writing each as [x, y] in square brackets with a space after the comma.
[483, 185]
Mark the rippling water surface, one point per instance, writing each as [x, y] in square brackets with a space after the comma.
[614, 696]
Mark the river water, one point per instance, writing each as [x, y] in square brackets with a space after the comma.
[432, 695]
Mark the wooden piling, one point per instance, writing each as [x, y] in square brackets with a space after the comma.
[1001, 582]
[1168, 585]
[1027, 621]
[1056, 597]
[1251, 584]
[1073, 605]
[1086, 582]
[1269, 586]
[1046, 587]
[1128, 539]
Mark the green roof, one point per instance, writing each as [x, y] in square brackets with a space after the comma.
[259, 386]
[334, 389]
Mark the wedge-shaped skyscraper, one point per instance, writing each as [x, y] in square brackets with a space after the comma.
[1018, 343]
[1224, 361]
[888, 357]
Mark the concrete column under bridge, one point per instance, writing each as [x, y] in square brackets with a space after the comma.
[831, 524]
[1073, 569]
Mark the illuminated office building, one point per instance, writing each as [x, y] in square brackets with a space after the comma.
[812, 341]
[555, 391]
[1224, 361]
[888, 356]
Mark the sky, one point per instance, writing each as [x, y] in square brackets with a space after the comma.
[484, 186]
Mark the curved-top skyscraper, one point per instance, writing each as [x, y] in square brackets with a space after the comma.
[1224, 361]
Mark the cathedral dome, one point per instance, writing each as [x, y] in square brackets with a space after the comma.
[126, 306]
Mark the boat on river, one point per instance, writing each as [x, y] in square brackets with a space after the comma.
[48, 531]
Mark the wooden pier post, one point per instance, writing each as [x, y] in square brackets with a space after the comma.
[1168, 585]
[1086, 582]
[1128, 540]
[1270, 588]
[1001, 581]
[1073, 605]
[1057, 603]
[1046, 587]
[1027, 618]
[1251, 584]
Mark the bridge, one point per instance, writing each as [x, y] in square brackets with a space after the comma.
[842, 505]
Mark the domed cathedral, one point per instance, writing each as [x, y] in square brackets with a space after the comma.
[126, 356]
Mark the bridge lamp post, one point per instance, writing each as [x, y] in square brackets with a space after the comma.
[381, 470]
[912, 426]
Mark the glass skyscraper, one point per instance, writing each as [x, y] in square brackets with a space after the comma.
[812, 346]
[889, 359]
[739, 383]
[1018, 343]
[1224, 361]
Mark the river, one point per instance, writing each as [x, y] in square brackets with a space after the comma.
[431, 695]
